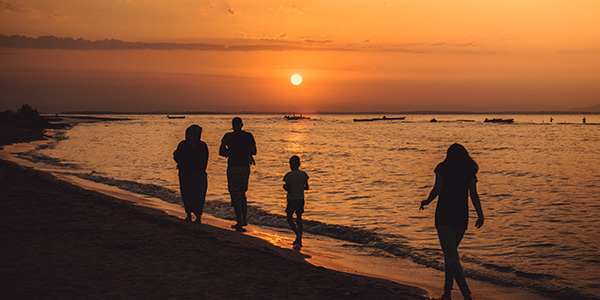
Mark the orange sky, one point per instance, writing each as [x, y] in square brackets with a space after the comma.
[363, 55]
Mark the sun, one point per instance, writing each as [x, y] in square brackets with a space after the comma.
[296, 79]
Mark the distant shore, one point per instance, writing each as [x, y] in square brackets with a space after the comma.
[62, 241]
[11, 133]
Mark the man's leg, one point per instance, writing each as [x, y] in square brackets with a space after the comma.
[244, 211]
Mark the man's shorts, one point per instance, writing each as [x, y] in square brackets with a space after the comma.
[295, 206]
[237, 182]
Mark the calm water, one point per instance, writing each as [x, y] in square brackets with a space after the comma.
[539, 184]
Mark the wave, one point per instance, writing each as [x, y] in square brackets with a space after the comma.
[407, 149]
[432, 258]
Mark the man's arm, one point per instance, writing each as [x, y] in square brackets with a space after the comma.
[253, 146]
[223, 150]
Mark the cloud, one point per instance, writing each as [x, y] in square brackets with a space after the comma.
[311, 41]
[52, 42]
[295, 7]
[281, 42]
[227, 8]
[220, 7]
[30, 11]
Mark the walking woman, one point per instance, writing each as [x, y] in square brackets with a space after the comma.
[191, 157]
[455, 180]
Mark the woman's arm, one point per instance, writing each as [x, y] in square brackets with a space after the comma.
[435, 191]
[177, 153]
[476, 203]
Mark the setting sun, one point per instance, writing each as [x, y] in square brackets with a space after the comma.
[296, 79]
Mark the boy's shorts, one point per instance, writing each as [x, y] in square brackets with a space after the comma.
[295, 206]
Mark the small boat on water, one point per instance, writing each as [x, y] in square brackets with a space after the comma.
[175, 117]
[379, 119]
[498, 120]
[296, 117]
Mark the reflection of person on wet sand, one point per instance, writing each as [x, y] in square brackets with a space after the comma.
[455, 179]
[296, 181]
[191, 157]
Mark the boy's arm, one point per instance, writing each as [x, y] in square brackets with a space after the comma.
[306, 182]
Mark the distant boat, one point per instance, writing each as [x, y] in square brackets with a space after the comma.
[379, 119]
[296, 117]
[498, 120]
[433, 120]
[175, 117]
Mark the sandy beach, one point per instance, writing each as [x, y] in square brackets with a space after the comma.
[63, 241]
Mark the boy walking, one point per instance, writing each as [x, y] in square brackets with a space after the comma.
[296, 181]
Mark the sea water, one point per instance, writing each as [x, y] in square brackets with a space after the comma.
[539, 183]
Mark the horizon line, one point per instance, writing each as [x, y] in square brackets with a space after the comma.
[419, 112]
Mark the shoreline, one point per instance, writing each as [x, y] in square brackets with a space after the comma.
[62, 240]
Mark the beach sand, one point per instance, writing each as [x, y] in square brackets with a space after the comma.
[62, 241]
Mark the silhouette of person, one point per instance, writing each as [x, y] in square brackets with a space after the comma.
[191, 156]
[239, 147]
[296, 181]
[455, 179]
[583, 120]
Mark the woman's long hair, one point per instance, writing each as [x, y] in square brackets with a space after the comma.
[458, 155]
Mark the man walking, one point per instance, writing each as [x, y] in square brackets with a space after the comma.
[239, 147]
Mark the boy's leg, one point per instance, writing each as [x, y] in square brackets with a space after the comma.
[290, 220]
[300, 228]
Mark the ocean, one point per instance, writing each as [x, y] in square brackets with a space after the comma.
[539, 183]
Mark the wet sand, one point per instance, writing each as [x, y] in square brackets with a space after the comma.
[63, 241]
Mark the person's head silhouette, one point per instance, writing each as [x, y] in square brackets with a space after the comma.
[237, 124]
[457, 154]
[294, 162]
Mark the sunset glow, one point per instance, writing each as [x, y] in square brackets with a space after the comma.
[361, 55]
